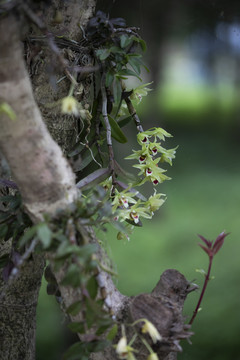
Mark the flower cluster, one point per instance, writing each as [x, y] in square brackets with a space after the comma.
[148, 157]
[129, 205]
[126, 206]
[126, 351]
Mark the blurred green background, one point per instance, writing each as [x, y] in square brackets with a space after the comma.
[194, 57]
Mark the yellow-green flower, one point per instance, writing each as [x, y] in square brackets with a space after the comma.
[153, 356]
[131, 356]
[155, 201]
[139, 92]
[158, 133]
[149, 328]
[142, 138]
[123, 199]
[151, 172]
[70, 106]
[168, 155]
[123, 350]
[140, 155]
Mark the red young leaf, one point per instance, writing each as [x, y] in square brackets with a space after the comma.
[207, 242]
[219, 242]
[207, 250]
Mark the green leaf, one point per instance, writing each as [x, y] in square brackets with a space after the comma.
[135, 64]
[77, 327]
[109, 78]
[93, 179]
[92, 287]
[112, 333]
[99, 345]
[7, 110]
[124, 174]
[28, 235]
[104, 323]
[125, 41]
[75, 308]
[124, 120]
[72, 277]
[116, 50]
[87, 158]
[117, 90]
[44, 234]
[90, 316]
[4, 260]
[77, 351]
[141, 42]
[128, 72]
[76, 150]
[3, 230]
[65, 250]
[103, 54]
[116, 133]
[93, 312]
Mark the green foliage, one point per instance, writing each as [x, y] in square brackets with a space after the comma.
[82, 350]
[13, 220]
[7, 110]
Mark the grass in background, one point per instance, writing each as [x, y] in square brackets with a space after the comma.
[203, 198]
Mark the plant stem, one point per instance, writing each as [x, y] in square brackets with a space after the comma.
[134, 115]
[207, 277]
[108, 128]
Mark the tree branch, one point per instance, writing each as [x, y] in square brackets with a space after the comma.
[43, 175]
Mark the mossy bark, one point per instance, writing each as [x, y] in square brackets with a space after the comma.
[18, 312]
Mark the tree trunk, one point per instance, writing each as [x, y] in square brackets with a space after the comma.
[44, 178]
[18, 312]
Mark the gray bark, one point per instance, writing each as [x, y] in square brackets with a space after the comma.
[44, 177]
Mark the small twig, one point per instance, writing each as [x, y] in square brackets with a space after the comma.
[16, 270]
[86, 69]
[207, 278]
[130, 30]
[211, 248]
[97, 129]
[134, 115]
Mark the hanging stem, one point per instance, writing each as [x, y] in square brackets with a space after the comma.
[207, 278]
[134, 115]
[108, 128]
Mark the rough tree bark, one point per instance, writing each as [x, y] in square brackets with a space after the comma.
[47, 183]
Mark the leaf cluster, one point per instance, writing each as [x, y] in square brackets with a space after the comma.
[13, 222]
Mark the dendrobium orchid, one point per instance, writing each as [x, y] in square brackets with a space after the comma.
[154, 202]
[123, 350]
[123, 199]
[139, 92]
[149, 328]
[129, 205]
[70, 106]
